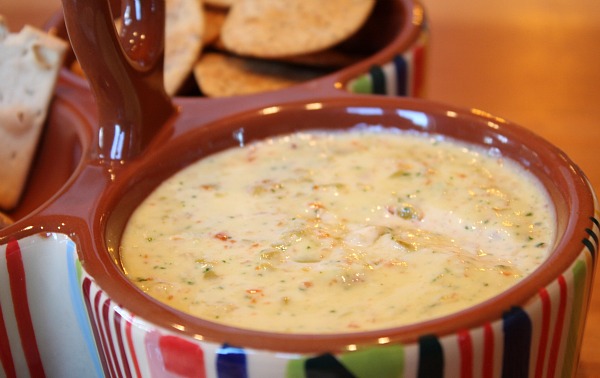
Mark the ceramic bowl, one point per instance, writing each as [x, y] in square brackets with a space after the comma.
[67, 287]
[63, 293]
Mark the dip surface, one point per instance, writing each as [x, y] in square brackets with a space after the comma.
[326, 232]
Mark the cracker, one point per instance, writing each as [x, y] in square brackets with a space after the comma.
[214, 18]
[222, 75]
[275, 28]
[220, 3]
[29, 64]
[183, 41]
[5, 221]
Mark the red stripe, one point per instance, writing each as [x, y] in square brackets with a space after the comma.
[136, 364]
[87, 290]
[117, 319]
[558, 327]
[6, 358]
[546, 310]
[18, 290]
[102, 329]
[488, 351]
[466, 354]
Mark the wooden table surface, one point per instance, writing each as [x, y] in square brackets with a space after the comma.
[534, 62]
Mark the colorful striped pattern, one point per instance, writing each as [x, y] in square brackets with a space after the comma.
[55, 321]
[43, 322]
[404, 75]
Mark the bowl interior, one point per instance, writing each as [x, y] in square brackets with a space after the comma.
[566, 186]
[60, 152]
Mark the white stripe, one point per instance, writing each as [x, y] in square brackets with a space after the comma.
[54, 322]
[390, 75]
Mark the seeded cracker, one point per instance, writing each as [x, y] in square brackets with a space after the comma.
[183, 40]
[29, 64]
[276, 28]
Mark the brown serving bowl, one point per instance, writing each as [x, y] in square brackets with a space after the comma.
[64, 293]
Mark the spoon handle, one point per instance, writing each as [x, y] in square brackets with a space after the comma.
[125, 71]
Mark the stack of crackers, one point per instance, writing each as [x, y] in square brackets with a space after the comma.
[29, 64]
[237, 47]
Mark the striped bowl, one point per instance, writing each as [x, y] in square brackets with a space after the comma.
[68, 310]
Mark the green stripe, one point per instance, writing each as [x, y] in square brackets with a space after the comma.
[381, 362]
[295, 369]
[361, 84]
[579, 289]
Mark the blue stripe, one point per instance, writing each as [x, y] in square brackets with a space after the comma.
[401, 75]
[517, 343]
[79, 308]
[378, 79]
[231, 362]
[431, 357]
[593, 249]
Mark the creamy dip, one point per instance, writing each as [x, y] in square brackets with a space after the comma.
[334, 232]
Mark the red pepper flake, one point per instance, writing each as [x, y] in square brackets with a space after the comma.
[307, 284]
[253, 294]
[222, 236]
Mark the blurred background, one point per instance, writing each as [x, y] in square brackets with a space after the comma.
[536, 63]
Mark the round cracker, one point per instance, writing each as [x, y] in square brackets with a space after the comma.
[223, 75]
[275, 28]
[183, 41]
